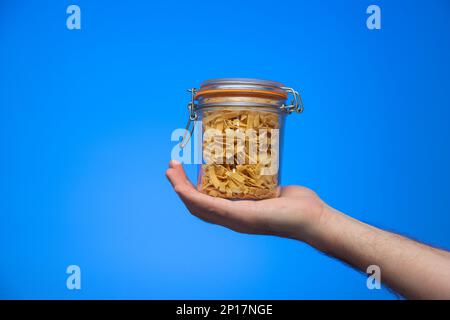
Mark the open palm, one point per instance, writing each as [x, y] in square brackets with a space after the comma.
[291, 215]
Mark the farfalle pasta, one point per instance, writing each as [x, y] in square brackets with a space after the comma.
[245, 164]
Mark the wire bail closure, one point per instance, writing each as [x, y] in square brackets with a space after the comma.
[192, 117]
[296, 103]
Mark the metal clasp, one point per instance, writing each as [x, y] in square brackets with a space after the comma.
[191, 105]
[296, 103]
[192, 117]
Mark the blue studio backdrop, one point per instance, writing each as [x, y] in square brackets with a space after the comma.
[86, 117]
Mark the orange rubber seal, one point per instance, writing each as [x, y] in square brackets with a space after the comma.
[279, 94]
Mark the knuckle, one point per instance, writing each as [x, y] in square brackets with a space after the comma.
[180, 189]
[169, 172]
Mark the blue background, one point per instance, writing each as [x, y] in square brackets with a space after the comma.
[86, 117]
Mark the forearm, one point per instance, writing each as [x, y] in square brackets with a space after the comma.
[412, 269]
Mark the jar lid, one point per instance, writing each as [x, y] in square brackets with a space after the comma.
[242, 85]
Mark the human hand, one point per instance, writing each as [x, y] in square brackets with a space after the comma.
[295, 214]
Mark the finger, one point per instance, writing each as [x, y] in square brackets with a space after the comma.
[179, 167]
[198, 203]
[241, 216]
[176, 178]
[216, 210]
[187, 191]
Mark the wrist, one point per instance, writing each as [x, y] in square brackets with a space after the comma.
[321, 231]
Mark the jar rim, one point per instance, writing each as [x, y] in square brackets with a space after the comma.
[243, 105]
[241, 85]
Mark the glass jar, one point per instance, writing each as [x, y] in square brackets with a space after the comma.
[241, 123]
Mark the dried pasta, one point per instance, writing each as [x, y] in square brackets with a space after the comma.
[239, 174]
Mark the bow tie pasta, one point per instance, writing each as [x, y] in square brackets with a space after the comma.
[241, 170]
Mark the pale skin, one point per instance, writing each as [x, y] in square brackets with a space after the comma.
[414, 270]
